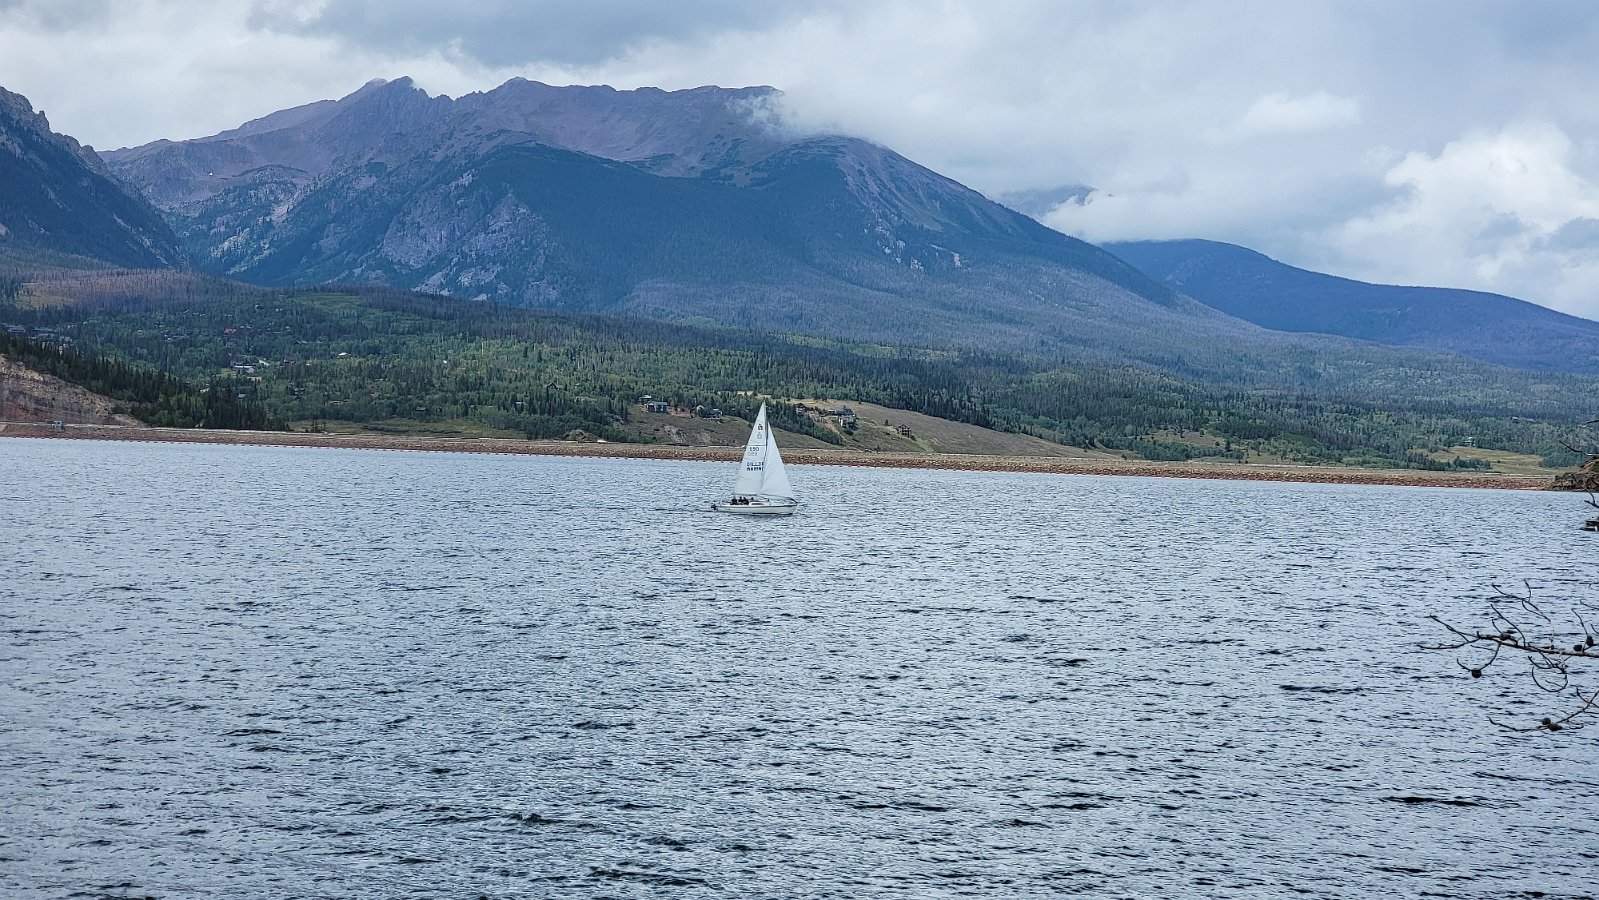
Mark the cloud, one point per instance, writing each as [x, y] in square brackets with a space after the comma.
[54, 16]
[1512, 211]
[1579, 236]
[1282, 114]
[497, 33]
[143, 70]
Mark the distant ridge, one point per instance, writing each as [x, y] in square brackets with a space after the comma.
[58, 198]
[1256, 288]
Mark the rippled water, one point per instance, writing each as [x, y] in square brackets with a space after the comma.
[268, 672]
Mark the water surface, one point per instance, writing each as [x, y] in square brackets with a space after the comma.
[250, 672]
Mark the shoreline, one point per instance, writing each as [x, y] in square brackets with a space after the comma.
[1057, 465]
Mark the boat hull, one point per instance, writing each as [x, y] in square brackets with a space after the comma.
[756, 509]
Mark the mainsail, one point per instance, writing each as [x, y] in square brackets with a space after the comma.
[775, 484]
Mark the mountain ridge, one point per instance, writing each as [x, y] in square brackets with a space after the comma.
[59, 197]
[392, 186]
[698, 209]
[1252, 286]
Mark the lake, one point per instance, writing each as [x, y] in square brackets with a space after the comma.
[277, 672]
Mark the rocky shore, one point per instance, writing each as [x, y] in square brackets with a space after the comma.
[1583, 479]
[971, 463]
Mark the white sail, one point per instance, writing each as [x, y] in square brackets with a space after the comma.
[774, 483]
[752, 471]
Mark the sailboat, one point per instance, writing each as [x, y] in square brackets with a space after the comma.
[761, 488]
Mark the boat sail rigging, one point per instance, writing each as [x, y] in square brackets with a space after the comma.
[761, 487]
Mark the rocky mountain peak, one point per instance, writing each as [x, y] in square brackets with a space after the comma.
[678, 133]
[17, 107]
[16, 113]
[593, 197]
[57, 195]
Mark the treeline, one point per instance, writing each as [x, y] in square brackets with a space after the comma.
[392, 359]
[151, 396]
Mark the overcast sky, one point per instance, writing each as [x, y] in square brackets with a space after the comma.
[1447, 143]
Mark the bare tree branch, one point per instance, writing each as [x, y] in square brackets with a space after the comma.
[1518, 627]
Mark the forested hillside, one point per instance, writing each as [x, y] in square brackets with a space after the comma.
[58, 197]
[398, 361]
[150, 395]
[1256, 288]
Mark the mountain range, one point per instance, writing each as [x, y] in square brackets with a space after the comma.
[1254, 287]
[698, 206]
[693, 205]
[58, 197]
[572, 248]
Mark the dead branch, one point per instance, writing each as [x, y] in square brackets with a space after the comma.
[1519, 628]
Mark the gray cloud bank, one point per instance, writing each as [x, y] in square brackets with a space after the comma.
[499, 33]
[1425, 143]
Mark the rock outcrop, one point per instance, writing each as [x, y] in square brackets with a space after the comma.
[1583, 479]
[30, 396]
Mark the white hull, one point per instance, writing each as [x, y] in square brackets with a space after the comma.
[756, 509]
